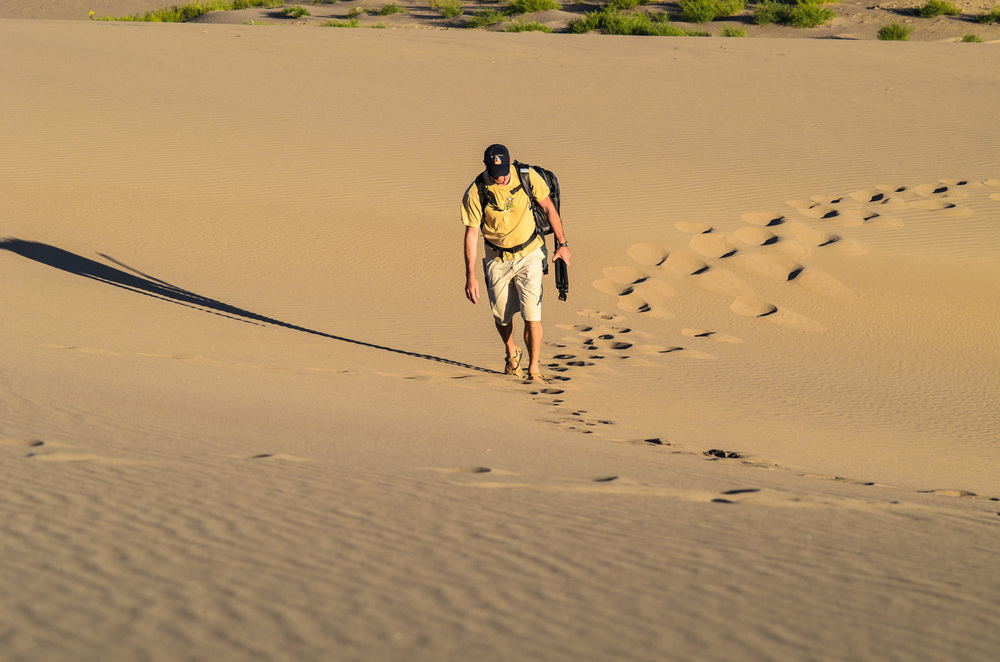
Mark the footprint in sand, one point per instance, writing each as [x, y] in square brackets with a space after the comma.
[700, 274]
[609, 341]
[711, 335]
[877, 196]
[646, 295]
[712, 245]
[943, 190]
[601, 315]
[464, 470]
[647, 254]
[774, 267]
[715, 453]
[41, 451]
[749, 307]
[625, 294]
[659, 351]
[931, 205]
[635, 303]
[814, 209]
[758, 237]
[608, 286]
[21, 443]
[579, 328]
[684, 264]
[764, 219]
[872, 219]
[693, 228]
[943, 206]
[783, 268]
[625, 275]
[578, 421]
[274, 456]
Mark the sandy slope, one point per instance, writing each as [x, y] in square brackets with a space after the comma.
[247, 413]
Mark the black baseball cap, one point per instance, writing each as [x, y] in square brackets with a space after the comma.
[497, 160]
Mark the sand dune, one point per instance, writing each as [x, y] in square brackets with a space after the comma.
[248, 414]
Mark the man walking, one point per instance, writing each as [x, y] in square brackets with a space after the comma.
[515, 252]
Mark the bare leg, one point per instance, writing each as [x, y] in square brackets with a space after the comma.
[533, 340]
[507, 336]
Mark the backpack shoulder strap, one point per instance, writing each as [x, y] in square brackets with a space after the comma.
[524, 174]
[483, 201]
[485, 197]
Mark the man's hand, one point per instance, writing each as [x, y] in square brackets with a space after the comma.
[562, 253]
[472, 290]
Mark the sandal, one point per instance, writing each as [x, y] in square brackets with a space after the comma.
[536, 377]
[513, 366]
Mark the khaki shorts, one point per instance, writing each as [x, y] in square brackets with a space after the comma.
[514, 286]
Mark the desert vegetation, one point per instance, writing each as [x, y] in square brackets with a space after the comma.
[180, 14]
[613, 17]
[938, 8]
[895, 32]
[801, 14]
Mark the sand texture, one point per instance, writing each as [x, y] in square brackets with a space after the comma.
[246, 412]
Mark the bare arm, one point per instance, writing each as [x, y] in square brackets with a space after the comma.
[562, 252]
[471, 245]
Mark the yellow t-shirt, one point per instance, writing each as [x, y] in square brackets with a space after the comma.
[511, 222]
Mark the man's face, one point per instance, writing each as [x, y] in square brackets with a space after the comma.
[502, 181]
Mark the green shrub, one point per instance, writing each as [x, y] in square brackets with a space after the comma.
[527, 26]
[992, 17]
[803, 14]
[697, 11]
[972, 39]
[295, 11]
[771, 11]
[350, 23]
[527, 6]
[809, 15]
[703, 11]
[357, 11]
[448, 8]
[623, 23]
[190, 11]
[725, 8]
[895, 32]
[591, 21]
[626, 23]
[937, 8]
[481, 19]
[732, 31]
[392, 8]
[624, 4]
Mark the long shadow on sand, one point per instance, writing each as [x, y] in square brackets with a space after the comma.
[147, 285]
